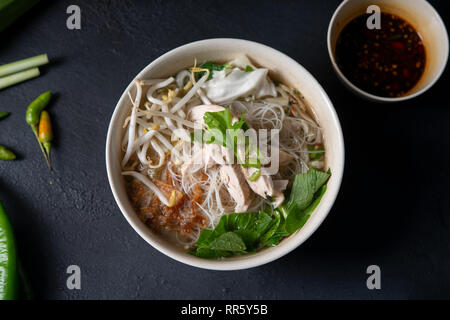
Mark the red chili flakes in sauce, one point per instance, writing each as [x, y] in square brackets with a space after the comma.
[386, 62]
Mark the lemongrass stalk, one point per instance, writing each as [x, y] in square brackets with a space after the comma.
[22, 65]
[18, 77]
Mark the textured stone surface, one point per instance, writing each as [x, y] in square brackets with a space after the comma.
[393, 209]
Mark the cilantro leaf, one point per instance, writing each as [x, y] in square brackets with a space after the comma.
[211, 67]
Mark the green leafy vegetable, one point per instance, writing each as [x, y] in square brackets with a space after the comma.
[223, 132]
[249, 69]
[211, 67]
[229, 241]
[11, 10]
[240, 233]
[305, 186]
[220, 121]
[297, 218]
[247, 227]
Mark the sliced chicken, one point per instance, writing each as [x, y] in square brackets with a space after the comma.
[197, 161]
[236, 183]
[209, 155]
[218, 154]
[234, 176]
[264, 186]
[280, 185]
[284, 158]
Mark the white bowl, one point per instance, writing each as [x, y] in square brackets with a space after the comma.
[421, 15]
[282, 68]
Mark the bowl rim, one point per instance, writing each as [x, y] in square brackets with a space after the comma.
[367, 94]
[250, 260]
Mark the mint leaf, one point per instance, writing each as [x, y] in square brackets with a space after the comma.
[210, 253]
[248, 227]
[220, 120]
[297, 218]
[305, 186]
[306, 193]
[229, 241]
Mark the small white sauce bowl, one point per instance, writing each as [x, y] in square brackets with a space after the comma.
[282, 68]
[421, 15]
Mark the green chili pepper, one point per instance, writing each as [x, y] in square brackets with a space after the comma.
[25, 290]
[8, 260]
[3, 114]
[32, 117]
[6, 154]
[34, 109]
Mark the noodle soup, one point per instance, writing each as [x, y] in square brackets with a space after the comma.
[222, 160]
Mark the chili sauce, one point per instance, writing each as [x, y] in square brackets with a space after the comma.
[386, 62]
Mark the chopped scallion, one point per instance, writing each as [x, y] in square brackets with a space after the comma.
[255, 175]
[21, 65]
[18, 77]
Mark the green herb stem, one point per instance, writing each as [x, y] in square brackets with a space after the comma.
[18, 77]
[23, 65]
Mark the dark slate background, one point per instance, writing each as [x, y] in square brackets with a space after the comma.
[392, 210]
